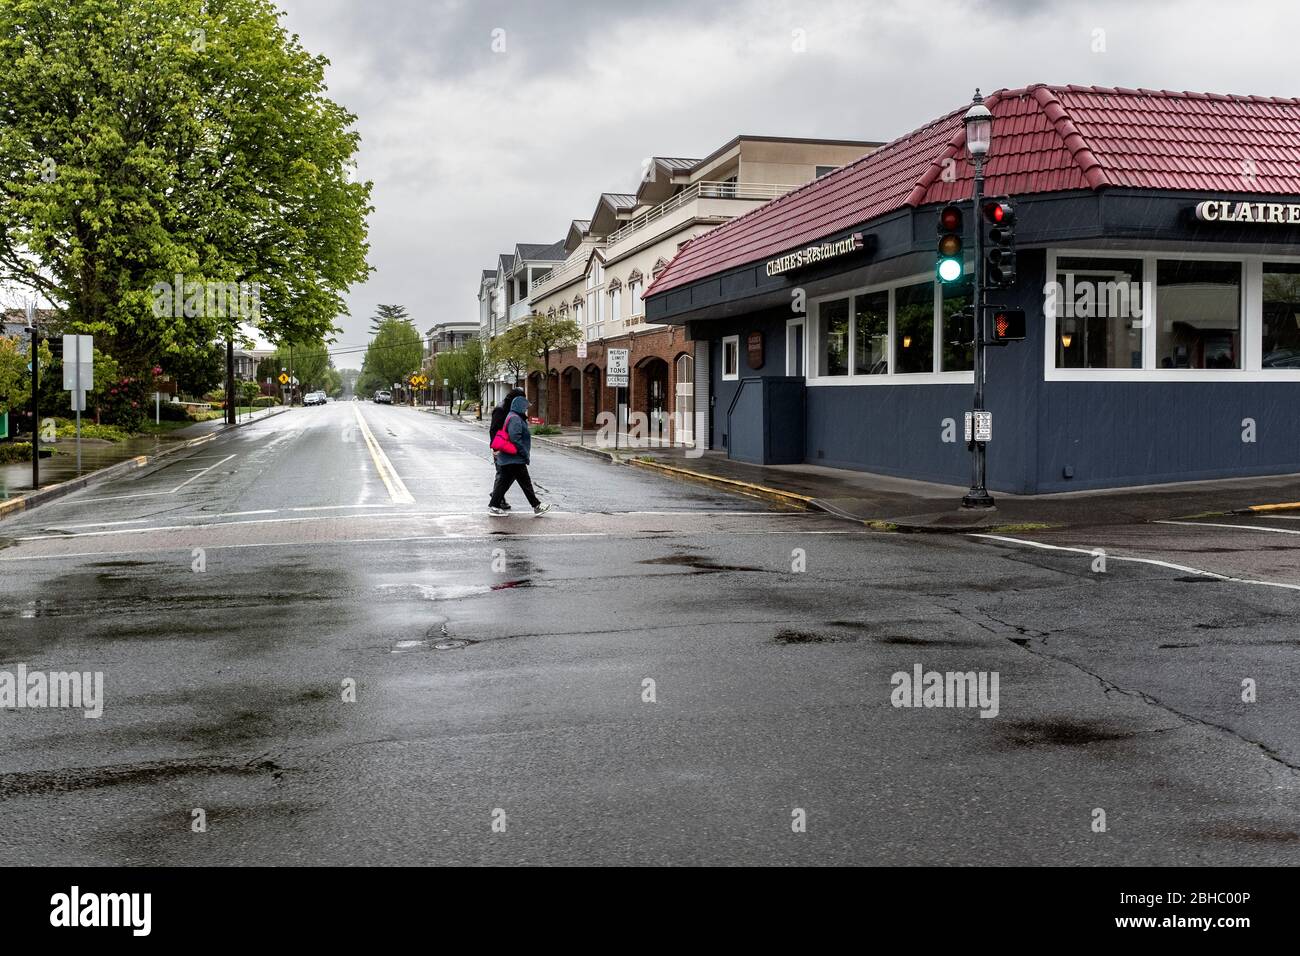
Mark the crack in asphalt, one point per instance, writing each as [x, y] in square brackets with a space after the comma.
[1109, 686]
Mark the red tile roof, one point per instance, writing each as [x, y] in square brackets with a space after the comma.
[1045, 139]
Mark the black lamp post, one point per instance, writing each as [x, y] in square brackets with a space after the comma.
[979, 135]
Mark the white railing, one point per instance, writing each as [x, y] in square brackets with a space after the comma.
[560, 272]
[702, 190]
[519, 310]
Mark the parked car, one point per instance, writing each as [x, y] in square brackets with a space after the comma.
[383, 398]
[315, 398]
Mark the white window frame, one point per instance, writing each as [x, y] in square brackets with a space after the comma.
[790, 325]
[812, 341]
[1252, 321]
[634, 293]
[615, 305]
[727, 342]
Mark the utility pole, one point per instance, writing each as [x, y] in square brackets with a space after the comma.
[230, 380]
[36, 395]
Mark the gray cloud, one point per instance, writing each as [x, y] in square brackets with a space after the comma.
[472, 151]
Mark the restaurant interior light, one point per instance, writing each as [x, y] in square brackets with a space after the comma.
[907, 341]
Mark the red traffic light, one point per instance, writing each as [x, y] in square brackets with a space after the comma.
[999, 213]
[950, 219]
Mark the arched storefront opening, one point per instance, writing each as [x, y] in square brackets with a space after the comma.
[684, 408]
[570, 397]
[653, 400]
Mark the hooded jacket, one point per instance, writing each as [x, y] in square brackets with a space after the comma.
[499, 412]
[519, 432]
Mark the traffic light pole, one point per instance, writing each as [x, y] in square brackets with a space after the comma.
[978, 496]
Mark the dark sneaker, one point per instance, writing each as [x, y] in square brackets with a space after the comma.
[505, 505]
[494, 510]
[542, 509]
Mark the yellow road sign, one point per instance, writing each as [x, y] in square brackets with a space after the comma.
[284, 379]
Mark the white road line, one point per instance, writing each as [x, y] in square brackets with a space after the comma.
[397, 491]
[334, 507]
[155, 494]
[1092, 552]
[427, 537]
[1241, 527]
[205, 522]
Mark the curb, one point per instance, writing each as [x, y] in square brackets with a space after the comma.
[14, 506]
[750, 490]
[1264, 509]
[581, 449]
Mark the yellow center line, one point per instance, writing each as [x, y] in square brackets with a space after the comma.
[396, 488]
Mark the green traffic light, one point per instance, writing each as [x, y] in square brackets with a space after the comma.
[950, 270]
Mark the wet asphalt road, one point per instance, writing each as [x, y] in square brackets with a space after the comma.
[500, 668]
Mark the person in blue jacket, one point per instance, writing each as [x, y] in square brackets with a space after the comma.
[513, 467]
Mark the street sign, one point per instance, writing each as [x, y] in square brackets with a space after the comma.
[78, 377]
[616, 370]
[582, 349]
[78, 363]
[983, 426]
[284, 378]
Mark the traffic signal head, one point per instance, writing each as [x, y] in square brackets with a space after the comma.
[1009, 325]
[1000, 263]
[950, 267]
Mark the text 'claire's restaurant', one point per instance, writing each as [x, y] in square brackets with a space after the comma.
[1158, 263]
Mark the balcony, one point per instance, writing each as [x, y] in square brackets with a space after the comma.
[520, 310]
[756, 193]
[557, 276]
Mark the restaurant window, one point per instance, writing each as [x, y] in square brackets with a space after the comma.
[833, 337]
[1099, 311]
[871, 333]
[731, 358]
[1198, 310]
[1281, 332]
[958, 354]
[914, 328]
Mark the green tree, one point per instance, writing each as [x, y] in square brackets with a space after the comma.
[513, 351]
[149, 139]
[547, 334]
[394, 353]
[385, 312]
[309, 362]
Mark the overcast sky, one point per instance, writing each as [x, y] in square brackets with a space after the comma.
[472, 150]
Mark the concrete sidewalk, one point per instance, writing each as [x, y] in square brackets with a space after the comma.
[925, 506]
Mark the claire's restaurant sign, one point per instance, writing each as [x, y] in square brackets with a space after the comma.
[811, 255]
[1226, 210]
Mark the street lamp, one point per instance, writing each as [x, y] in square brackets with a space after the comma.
[979, 136]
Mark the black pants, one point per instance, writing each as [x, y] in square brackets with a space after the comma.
[507, 475]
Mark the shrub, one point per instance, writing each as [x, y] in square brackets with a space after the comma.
[546, 430]
[173, 412]
[265, 401]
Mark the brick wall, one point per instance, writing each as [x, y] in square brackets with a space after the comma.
[653, 359]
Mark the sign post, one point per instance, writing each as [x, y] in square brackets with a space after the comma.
[78, 376]
[616, 377]
[582, 392]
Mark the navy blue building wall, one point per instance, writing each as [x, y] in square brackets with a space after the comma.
[772, 324]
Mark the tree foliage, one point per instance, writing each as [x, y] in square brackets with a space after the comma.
[514, 352]
[547, 334]
[148, 139]
[392, 355]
